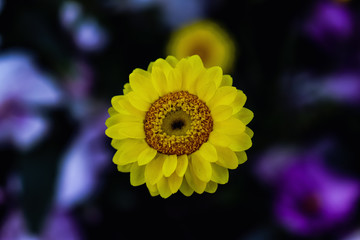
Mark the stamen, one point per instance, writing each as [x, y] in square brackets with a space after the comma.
[178, 123]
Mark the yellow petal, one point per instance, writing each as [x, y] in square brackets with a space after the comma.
[125, 168]
[186, 189]
[221, 113]
[174, 182]
[182, 165]
[159, 81]
[211, 187]
[140, 81]
[230, 126]
[128, 151]
[146, 155]
[190, 72]
[172, 60]
[153, 190]
[223, 96]
[215, 74]
[226, 80]
[201, 167]
[174, 81]
[137, 175]
[169, 165]
[127, 88]
[137, 102]
[206, 90]
[153, 170]
[115, 119]
[219, 139]
[126, 130]
[240, 142]
[226, 157]
[195, 183]
[245, 115]
[239, 101]
[219, 174]
[249, 132]
[163, 65]
[115, 143]
[122, 105]
[208, 152]
[163, 187]
[242, 157]
[112, 111]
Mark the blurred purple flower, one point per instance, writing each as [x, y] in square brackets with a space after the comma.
[87, 33]
[59, 225]
[23, 90]
[83, 163]
[306, 89]
[352, 236]
[310, 198]
[90, 36]
[70, 13]
[329, 21]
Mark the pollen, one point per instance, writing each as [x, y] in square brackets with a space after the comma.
[177, 123]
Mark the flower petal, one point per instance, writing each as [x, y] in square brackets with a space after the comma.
[201, 167]
[115, 119]
[174, 182]
[221, 113]
[172, 60]
[240, 142]
[208, 152]
[163, 187]
[195, 183]
[239, 101]
[226, 80]
[140, 81]
[219, 174]
[186, 189]
[223, 96]
[169, 165]
[226, 157]
[122, 105]
[230, 126]
[137, 175]
[245, 115]
[215, 74]
[153, 190]
[126, 130]
[146, 156]
[211, 187]
[174, 81]
[242, 157]
[128, 151]
[137, 102]
[159, 81]
[153, 170]
[182, 165]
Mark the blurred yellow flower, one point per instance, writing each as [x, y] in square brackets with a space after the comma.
[206, 39]
[179, 126]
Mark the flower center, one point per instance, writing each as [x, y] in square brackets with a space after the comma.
[177, 123]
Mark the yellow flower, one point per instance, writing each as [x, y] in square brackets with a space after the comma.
[206, 39]
[179, 126]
